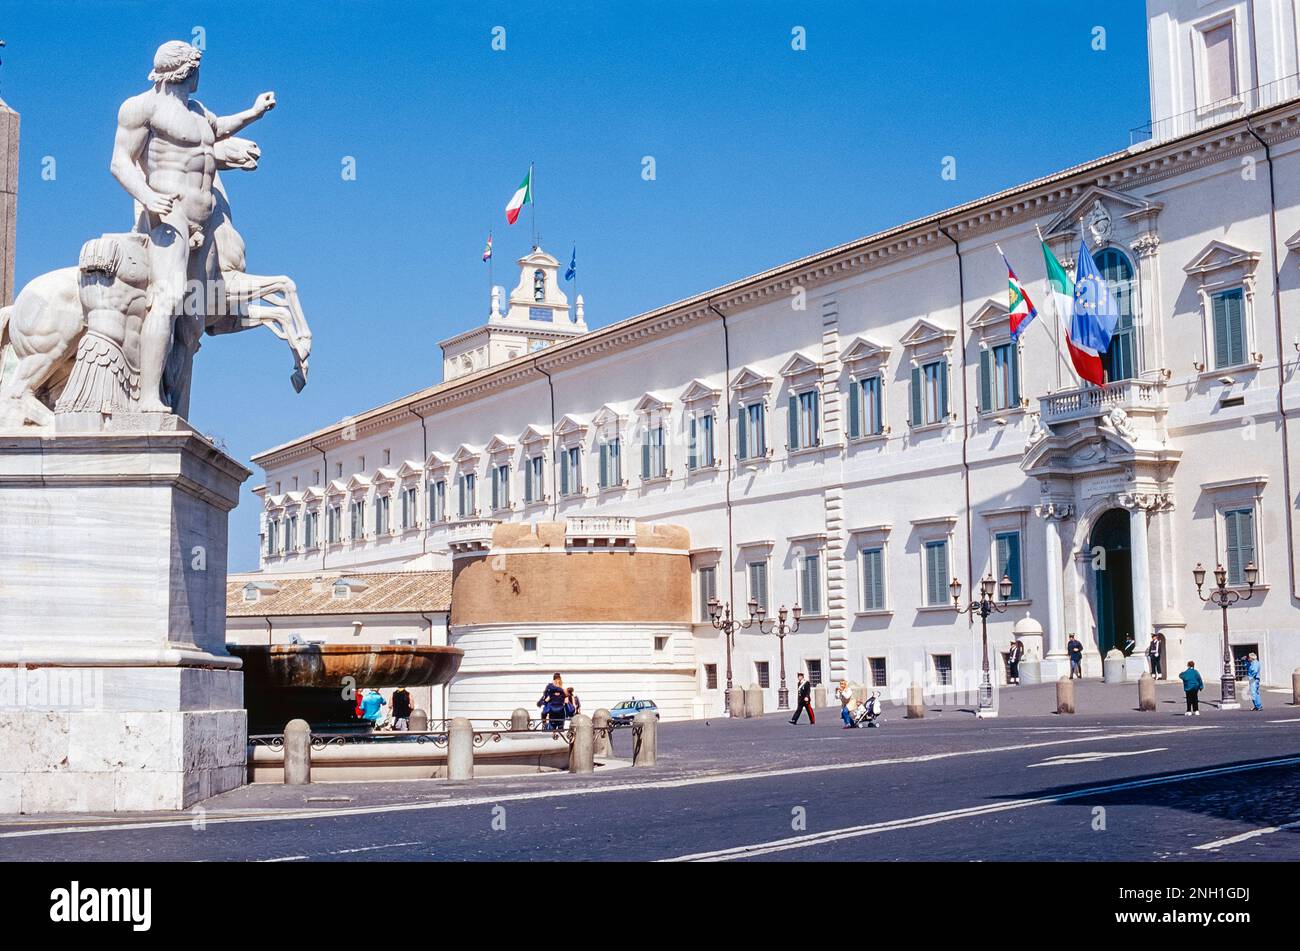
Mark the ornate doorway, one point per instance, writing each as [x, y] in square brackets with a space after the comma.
[1112, 563]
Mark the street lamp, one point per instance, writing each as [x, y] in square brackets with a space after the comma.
[781, 629]
[1222, 596]
[720, 617]
[984, 607]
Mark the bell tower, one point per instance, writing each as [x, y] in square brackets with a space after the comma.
[536, 315]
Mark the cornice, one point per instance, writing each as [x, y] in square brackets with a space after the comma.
[1125, 170]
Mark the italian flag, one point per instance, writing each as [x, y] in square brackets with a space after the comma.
[523, 196]
[1087, 363]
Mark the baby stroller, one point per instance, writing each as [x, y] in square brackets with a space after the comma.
[869, 713]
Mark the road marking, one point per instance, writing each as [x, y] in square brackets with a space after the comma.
[1287, 720]
[368, 848]
[851, 832]
[1070, 759]
[1234, 839]
[490, 800]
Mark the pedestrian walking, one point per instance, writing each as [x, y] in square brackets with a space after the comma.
[803, 697]
[1074, 647]
[1014, 653]
[572, 705]
[1153, 655]
[402, 707]
[1192, 687]
[844, 694]
[552, 703]
[1252, 674]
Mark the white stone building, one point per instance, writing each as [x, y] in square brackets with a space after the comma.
[851, 430]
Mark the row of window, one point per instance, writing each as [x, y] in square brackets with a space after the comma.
[936, 567]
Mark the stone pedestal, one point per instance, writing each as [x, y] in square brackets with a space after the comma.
[116, 690]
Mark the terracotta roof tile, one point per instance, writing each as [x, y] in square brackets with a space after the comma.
[385, 592]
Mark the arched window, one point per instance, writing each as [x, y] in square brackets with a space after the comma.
[1119, 360]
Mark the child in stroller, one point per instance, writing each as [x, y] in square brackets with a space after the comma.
[869, 712]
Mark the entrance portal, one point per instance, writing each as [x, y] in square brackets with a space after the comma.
[1113, 570]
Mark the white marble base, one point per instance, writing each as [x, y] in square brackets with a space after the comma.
[116, 689]
[119, 739]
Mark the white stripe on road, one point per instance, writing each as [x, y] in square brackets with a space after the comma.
[1092, 756]
[702, 780]
[368, 848]
[852, 832]
[1234, 839]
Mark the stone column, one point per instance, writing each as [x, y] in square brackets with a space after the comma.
[8, 200]
[460, 750]
[1141, 558]
[1054, 514]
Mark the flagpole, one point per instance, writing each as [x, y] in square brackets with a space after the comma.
[1056, 337]
[491, 286]
[532, 200]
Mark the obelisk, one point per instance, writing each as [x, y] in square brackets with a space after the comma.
[8, 199]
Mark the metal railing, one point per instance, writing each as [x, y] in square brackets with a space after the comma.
[1222, 110]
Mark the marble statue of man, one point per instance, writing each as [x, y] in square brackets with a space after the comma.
[163, 155]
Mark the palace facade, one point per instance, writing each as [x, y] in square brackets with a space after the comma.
[851, 431]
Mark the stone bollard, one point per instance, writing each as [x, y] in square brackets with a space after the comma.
[1295, 686]
[419, 721]
[915, 702]
[519, 720]
[819, 696]
[460, 750]
[1146, 693]
[1065, 695]
[736, 702]
[1112, 667]
[645, 741]
[754, 701]
[600, 727]
[582, 753]
[297, 753]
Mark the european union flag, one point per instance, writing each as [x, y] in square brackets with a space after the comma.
[1095, 309]
[573, 265]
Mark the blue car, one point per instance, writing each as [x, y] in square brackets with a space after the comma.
[622, 714]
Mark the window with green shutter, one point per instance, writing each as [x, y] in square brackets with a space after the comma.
[810, 583]
[708, 585]
[873, 579]
[1007, 551]
[757, 571]
[1228, 311]
[1239, 543]
[855, 409]
[936, 572]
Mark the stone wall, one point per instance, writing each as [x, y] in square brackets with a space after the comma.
[530, 575]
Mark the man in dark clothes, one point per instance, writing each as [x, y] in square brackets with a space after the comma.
[804, 691]
[1075, 649]
[401, 709]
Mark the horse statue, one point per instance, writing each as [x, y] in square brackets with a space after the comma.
[90, 314]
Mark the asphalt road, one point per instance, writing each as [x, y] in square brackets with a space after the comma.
[1159, 787]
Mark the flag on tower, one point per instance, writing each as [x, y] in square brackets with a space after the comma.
[1022, 310]
[487, 249]
[523, 196]
[573, 265]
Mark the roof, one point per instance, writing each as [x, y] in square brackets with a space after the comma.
[385, 592]
[1081, 175]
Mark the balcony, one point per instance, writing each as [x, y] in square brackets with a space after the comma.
[604, 531]
[471, 535]
[1086, 402]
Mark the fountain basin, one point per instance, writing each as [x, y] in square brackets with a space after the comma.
[316, 682]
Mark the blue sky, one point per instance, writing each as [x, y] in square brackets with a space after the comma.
[762, 153]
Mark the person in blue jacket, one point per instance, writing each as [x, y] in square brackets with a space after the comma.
[370, 705]
[1192, 687]
[552, 703]
[1252, 674]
